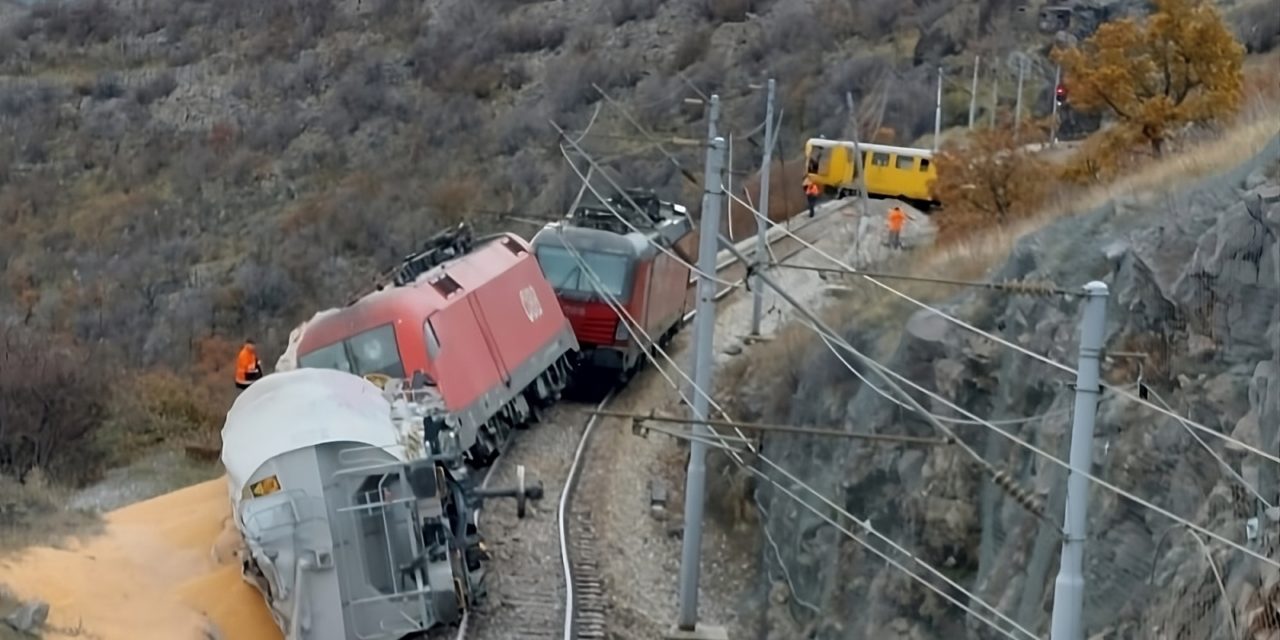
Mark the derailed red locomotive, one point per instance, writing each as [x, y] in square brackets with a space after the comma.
[472, 321]
[624, 263]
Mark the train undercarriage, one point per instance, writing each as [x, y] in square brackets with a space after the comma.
[521, 410]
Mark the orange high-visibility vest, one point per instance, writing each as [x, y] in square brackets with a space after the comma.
[811, 189]
[246, 362]
[897, 219]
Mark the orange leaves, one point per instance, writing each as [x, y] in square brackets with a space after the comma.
[1181, 66]
[988, 180]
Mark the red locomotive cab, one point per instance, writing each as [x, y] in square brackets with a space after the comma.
[610, 276]
[477, 324]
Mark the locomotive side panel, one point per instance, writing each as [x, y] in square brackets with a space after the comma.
[466, 364]
[526, 325]
[671, 283]
[640, 306]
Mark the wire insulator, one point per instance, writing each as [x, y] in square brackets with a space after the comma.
[1024, 497]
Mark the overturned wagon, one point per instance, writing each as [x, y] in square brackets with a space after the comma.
[354, 520]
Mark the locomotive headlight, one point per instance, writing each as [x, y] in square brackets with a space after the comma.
[622, 333]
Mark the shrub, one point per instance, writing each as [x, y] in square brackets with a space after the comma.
[21, 503]
[158, 407]
[621, 12]
[728, 10]
[569, 82]
[793, 27]
[52, 401]
[158, 87]
[107, 86]
[519, 34]
[875, 19]
[273, 134]
[78, 23]
[989, 180]
[691, 48]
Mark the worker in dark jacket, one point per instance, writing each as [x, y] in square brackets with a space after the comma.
[248, 368]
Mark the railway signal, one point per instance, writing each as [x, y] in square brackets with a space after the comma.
[1059, 99]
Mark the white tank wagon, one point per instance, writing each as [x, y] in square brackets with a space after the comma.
[351, 529]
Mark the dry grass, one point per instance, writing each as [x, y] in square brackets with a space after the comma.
[1190, 164]
[35, 513]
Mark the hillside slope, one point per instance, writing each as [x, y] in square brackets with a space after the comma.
[1194, 316]
[177, 170]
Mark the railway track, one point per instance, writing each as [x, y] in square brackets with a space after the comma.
[547, 582]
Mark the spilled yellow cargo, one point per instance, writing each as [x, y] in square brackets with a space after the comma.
[162, 569]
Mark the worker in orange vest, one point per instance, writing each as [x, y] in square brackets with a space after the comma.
[811, 191]
[248, 368]
[897, 220]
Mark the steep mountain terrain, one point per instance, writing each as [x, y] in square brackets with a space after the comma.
[177, 175]
[1194, 319]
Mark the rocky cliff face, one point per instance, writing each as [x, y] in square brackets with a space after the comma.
[1194, 316]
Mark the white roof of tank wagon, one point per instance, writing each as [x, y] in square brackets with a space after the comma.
[302, 408]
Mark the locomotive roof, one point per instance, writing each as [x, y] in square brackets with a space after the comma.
[417, 299]
[879, 148]
[618, 226]
[587, 239]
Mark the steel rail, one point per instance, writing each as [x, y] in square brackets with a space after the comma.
[566, 498]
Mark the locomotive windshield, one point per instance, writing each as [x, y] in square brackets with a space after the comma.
[565, 272]
[372, 351]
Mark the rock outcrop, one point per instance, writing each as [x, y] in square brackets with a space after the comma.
[1193, 321]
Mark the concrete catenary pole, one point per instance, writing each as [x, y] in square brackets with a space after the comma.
[713, 121]
[704, 334]
[995, 93]
[762, 227]
[858, 161]
[1068, 593]
[973, 91]
[937, 113]
[1017, 107]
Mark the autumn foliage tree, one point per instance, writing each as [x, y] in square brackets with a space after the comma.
[1182, 65]
[986, 180]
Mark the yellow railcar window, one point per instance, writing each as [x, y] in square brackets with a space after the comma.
[924, 164]
[880, 159]
[905, 162]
